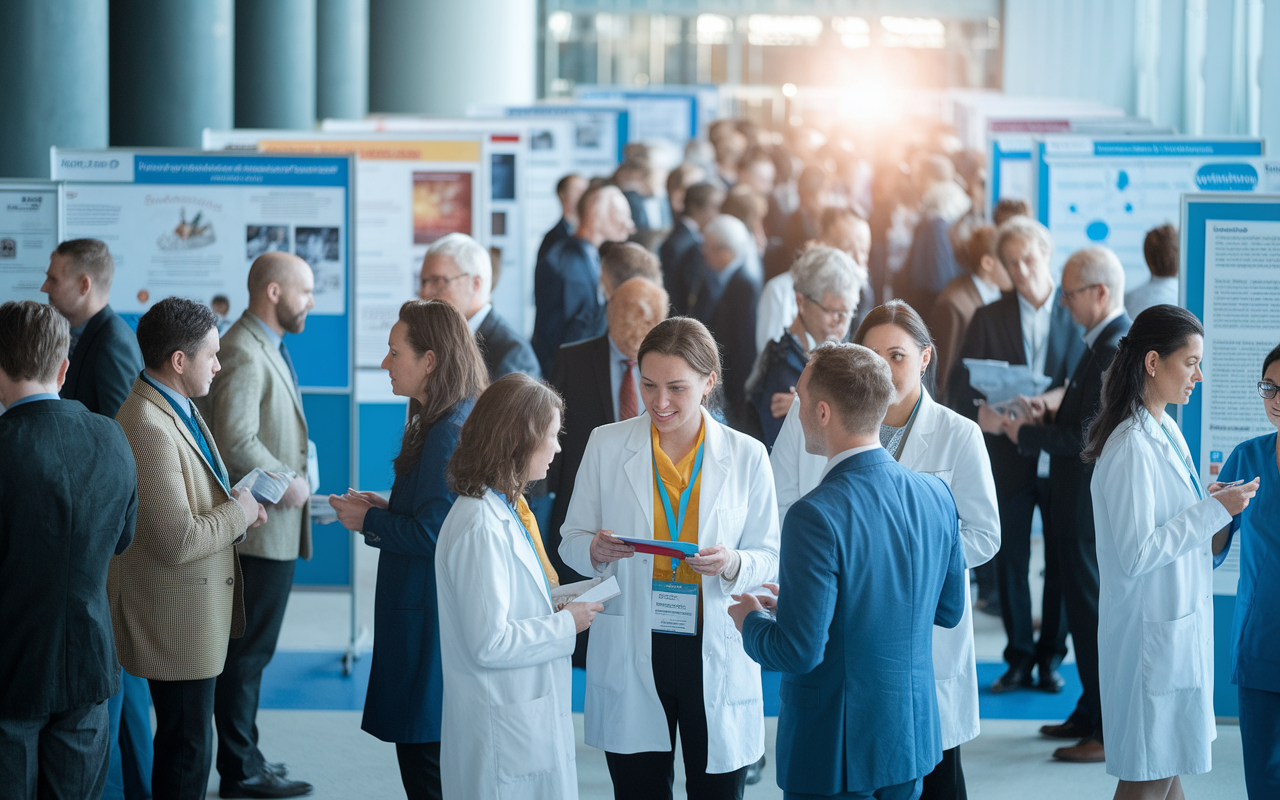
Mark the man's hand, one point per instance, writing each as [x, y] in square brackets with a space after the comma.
[745, 605]
[1012, 425]
[253, 510]
[780, 403]
[770, 603]
[297, 494]
[990, 420]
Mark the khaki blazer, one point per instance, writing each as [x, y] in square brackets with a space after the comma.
[176, 596]
[258, 421]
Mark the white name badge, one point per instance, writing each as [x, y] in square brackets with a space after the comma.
[675, 607]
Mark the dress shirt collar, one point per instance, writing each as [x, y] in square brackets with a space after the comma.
[1093, 333]
[846, 454]
[478, 318]
[184, 403]
[989, 292]
[31, 398]
[273, 337]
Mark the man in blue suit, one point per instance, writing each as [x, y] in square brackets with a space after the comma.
[870, 561]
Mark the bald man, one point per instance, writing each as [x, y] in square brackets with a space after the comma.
[566, 289]
[254, 410]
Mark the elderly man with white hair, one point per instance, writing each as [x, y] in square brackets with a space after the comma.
[457, 270]
[1055, 423]
[725, 300]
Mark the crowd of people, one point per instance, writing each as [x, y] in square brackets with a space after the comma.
[757, 420]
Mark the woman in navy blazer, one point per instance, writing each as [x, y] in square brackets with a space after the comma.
[1255, 632]
[432, 358]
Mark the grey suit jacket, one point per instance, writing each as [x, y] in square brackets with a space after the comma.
[259, 422]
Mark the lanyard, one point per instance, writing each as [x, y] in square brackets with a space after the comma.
[528, 537]
[906, 429]
[674, 528]
[1195, 481]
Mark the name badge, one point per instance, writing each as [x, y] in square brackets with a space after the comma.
[675, 607]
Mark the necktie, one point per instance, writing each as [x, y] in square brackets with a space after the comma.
[288, 362]
[628, 404]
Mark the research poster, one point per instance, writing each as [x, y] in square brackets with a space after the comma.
[1231, 280]
[652, 116]
[409, 192]
[597, 137]
[28, 234]
[1112, 191]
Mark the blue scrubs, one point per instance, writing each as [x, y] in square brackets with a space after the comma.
[1255, 631]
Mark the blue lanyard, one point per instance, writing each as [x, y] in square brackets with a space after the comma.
[528, 537]
[674, 528]
[1195, 481]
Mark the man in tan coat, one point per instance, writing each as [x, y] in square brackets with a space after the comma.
[176, 596]
[255, 411]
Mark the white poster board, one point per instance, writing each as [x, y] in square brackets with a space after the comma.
[599, 132]
[28, 234]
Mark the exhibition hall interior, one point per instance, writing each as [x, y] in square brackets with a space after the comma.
[639, 399]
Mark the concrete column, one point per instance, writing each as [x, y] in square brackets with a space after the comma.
[440, 56]
[342, 59]
[275, 64]
[53, 81]
[171, 71]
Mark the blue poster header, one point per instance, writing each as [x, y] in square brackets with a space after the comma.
[1126, 147]
[240, 170]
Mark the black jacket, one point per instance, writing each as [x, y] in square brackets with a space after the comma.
[104, 364]
[504, 350]
[566, 293]
[557, 232]
[732, 321]
[68, 502]
[673, 249]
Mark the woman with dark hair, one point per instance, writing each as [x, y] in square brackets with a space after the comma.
[506, 731]
[432, 358]
[1157, 528]
[677, 476]
[1255, 631]
[926, 437]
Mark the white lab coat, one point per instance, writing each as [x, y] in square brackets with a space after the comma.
[1155, 604]
[507, 729]
[947, 445]
[736, 508]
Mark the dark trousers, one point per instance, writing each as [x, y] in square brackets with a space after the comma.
[1078, 569]
[55, 755]
[1260, 741]
[129, 775]
[677, 673]
[420, 770]
[184, 738]
[946, 782]
[235, 706]
[1014, 562]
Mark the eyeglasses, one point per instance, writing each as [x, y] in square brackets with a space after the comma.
[1267, 389]
[439, 282]
[836, 313]
[1071, 295]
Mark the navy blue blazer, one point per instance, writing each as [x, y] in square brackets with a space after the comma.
[566, 292]
[405, 680]
[104, 364]
[559, 231]
[504, 350]
[871, 560]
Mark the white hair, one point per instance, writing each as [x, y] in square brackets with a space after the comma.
[945, 200]
[468, 254]
[821, 270]
[1023, 227]
[1100, 266]
[733, 233]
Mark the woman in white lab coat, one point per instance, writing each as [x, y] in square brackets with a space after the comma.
[642, 683]
[929, 438]
[506, 728]
[1157, 529]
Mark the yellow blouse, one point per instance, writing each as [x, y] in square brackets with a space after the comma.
[526, 516]
[675, 477]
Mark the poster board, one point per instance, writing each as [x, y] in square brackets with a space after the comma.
[652, 115]
[189, 223]
[28, 234]
[600, 132]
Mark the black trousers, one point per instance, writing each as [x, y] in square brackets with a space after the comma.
[184, 738]
[235, 706]
[1014, 562]
[57, 755]
[946, 782]
[1078, 568]
[677, 672]
[420, 770]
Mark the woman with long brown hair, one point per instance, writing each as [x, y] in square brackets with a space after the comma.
[506, 730]
[432, 359]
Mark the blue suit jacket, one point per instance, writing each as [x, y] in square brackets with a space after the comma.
[104, 364]
[870, 561]
[405, 680]
[566, 292]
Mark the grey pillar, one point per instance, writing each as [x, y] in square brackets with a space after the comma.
[275, 64]
[342, 58]
[440, 56]
[171, 71]
[53, 81]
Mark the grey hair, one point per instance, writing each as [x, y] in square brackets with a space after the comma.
[1021, 227]
[468, 254]
[821, 270]
[1099, 265]
[732, 233]
[945, 200]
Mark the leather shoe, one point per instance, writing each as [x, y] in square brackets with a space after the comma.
[1073, 728]
[1050, 681]
[1013, 679]
[1088, 751]
[268, 784]
[277, 768]
[754, 770]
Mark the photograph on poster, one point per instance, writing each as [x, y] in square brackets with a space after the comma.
[28, 233]
[188, 235]
[542, 139]
[321, 248]
[502, 176]
[499, 226]
[588, 134]
[441, 205]
[261, 239]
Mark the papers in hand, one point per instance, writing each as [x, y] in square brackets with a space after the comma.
[596, 590]
[1001, 381]
[321, 512]
[267, 487]
[667, 549]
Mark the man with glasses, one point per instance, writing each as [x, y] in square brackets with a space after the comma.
[1093, 291]
[457, 270]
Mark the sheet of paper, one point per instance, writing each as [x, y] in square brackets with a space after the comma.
[595, 590]
[1001, 381]
[267, 487]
